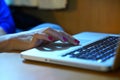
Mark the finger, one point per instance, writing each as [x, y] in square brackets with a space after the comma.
[68, 38]
[40, 38]
[44, 36]
[47, 38]
[54, 33]
[63, 36]
[35, 42]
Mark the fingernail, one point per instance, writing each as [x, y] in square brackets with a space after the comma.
[76, 41]
[65, 39]
[50, 38]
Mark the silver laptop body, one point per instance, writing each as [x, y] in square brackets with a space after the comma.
[67, 54]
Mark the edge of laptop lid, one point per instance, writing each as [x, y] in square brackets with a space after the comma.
[117, 57]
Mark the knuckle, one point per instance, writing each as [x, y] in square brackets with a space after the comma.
[48, 28]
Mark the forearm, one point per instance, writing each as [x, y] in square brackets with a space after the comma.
[4, 46]
[12, 41]
[5, 43]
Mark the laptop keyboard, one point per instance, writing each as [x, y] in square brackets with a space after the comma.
[100, 50]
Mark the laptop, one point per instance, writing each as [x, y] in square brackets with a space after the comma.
[96, 51]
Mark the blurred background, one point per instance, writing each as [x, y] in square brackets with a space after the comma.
[76, 15]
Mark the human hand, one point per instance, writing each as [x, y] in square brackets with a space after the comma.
[29, 39]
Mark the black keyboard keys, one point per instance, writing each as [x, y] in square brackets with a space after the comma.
[100, 50]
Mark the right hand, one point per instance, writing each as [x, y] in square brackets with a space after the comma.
[30, 39]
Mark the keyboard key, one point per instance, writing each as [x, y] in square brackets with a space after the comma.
[100, 50]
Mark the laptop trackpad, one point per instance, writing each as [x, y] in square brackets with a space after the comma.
[58, 45]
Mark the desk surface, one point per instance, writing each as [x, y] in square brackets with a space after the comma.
[13, 67]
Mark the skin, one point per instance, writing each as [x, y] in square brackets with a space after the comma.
[29, 39]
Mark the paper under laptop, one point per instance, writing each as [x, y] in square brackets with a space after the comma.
[89, 54]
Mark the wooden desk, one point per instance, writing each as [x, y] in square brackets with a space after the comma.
[12, 67]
